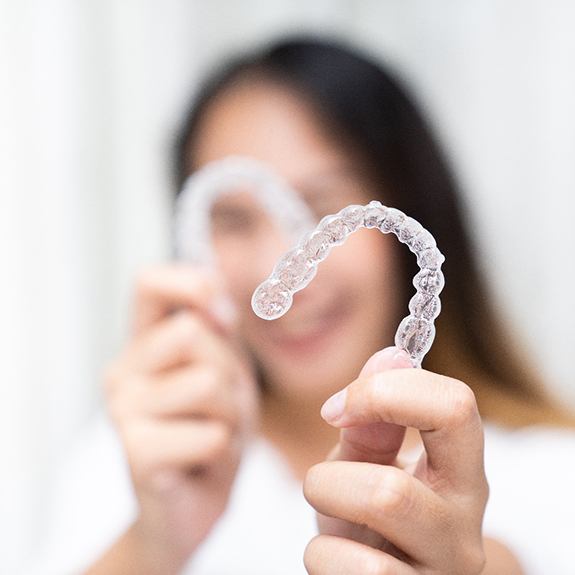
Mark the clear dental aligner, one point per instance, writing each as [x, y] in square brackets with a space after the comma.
[295, 270]
[192, 219]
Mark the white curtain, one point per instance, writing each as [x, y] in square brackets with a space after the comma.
[89, 94]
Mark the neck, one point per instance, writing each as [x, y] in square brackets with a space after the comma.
[297, 430]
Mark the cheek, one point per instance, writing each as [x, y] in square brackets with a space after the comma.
[363, 273]
[370, 268]
[231, 260]
[246, 261]
[240, 283]
[368, 261]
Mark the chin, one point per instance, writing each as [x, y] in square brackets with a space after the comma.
[317, 350]
[315, 376]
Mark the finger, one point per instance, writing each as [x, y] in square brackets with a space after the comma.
[200, 391]
[160, 446]
[387, 500]
[329, 555]
[376, 442]
[384, 359]
[163, 289]
[180, 339]
[442, 408]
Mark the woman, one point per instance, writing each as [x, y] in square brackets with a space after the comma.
[205, 388]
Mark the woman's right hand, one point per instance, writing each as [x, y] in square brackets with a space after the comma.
[183, 401]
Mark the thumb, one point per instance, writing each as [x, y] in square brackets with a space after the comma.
[376, 442]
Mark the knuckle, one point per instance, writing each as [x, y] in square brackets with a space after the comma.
[485, 490]
[187, 324]
[463, 405]
[212, 395]
[217, 441]
[473, 559]
[392, 493]
[206, 380]
[182, 331]
[479, 496]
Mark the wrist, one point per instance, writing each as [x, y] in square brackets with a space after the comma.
[155, 552]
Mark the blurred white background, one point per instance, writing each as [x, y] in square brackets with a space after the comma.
[90, 92]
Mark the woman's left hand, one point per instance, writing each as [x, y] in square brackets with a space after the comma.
[377, 515]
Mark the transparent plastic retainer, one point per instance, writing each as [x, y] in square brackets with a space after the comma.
[296, 269]
[192, 221]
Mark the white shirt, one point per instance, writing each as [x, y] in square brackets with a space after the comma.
[268, 523]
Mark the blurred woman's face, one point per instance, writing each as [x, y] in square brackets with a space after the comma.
[351, 307]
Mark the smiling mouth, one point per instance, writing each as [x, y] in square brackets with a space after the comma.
[309, 332]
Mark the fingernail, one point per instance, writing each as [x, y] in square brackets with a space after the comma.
[401, 359]
[379, 361]
[334, 407]
[224, 310]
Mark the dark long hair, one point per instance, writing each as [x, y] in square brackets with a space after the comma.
[364, 106]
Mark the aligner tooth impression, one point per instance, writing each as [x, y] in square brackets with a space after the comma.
[297, 268]
[416, 332]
